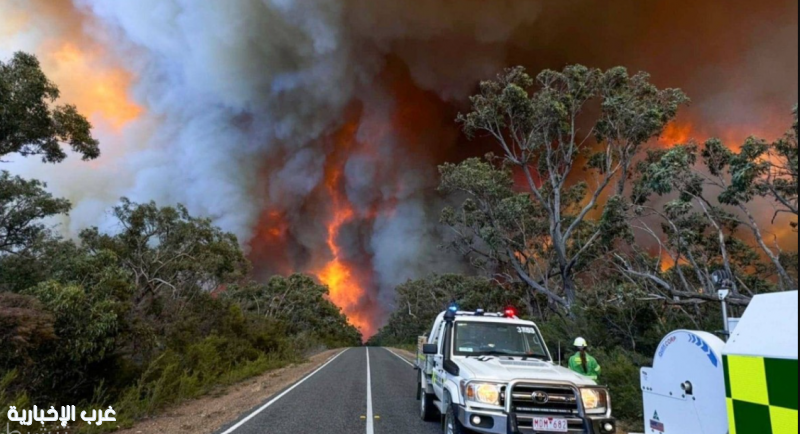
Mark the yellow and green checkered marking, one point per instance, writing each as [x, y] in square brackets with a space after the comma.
[762, 395]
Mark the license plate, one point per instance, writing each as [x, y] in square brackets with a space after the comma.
[550, 424]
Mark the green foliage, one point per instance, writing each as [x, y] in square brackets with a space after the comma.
[706, 200]
[781, 184]
[547, 128]
[23, 205]
[149, 316]
[7, 397]
[168, 252]
[495, 227]
[299, 302]
[29, 124]
[87, 324]
[622, 374]
[193, 371]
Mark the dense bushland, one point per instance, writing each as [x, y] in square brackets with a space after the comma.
[152, 315]
[156, 311]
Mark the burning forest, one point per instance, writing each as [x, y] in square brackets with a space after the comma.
[313, 130]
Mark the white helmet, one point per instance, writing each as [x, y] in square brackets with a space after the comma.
[581, 343]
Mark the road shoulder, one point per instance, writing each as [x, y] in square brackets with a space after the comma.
[208, 414]
[407, 355]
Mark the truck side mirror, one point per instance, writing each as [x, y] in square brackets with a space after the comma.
[430, 349]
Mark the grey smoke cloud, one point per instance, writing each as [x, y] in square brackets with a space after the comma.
[239, 97]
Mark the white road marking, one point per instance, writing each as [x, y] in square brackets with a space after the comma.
[370, 414]
[279, 397]
[400, 357]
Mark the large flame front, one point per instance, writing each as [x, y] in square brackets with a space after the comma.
[346, 291]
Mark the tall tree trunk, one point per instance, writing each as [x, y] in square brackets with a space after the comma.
[570, 292]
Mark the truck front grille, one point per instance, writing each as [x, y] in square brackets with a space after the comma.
[531, 399]
[560, 402]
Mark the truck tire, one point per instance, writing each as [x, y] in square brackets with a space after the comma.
[451, 423]
[427, 409]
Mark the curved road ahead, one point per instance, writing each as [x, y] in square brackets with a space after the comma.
[361, 390]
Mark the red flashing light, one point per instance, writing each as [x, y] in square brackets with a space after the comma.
[510, 312]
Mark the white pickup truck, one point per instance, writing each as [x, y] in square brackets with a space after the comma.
[492, 373]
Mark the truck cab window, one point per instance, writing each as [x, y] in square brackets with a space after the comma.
[500, 339]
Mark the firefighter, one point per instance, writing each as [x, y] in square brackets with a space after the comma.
[582, 362]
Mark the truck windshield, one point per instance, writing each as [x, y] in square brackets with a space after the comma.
[498, 339]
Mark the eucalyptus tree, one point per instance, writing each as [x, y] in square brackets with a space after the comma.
[298, 301]
[30, 125]
[23, 205]
[698, 204]
[569, 136]
[169, 254]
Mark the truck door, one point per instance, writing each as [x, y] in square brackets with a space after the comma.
[438, 364]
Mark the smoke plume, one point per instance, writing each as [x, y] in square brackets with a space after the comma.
[312, 128]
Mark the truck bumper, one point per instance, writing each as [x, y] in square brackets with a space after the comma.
[490, 422]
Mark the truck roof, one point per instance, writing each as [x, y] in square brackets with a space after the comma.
[493, 319]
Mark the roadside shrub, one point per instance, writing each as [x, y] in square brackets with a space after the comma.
[621, 373]
[133, 321]
[10, 398]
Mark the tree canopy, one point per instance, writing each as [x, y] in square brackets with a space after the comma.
[547, 130]
[705, 201]
[29, 123]
[23, 205]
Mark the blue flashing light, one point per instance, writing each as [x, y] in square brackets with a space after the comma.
[453, 308]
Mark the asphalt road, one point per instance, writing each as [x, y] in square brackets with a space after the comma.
[362, 390]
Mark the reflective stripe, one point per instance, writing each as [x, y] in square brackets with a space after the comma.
[762, 395]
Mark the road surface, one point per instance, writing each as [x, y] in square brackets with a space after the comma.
[361, 390]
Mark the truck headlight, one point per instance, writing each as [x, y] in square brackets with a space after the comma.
[595, 401]
[483, 393]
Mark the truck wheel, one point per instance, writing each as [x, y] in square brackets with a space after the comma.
[451, 423]
[427, 410]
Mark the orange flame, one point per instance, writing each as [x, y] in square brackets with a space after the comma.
[668, 262]
[676, 134]
[345, 289]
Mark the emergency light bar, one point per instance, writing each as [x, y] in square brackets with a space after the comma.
[452, 312]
